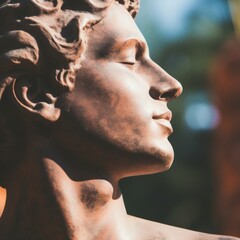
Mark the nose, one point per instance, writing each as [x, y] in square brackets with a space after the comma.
[164, 87]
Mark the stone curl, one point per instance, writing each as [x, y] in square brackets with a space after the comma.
[43, 40]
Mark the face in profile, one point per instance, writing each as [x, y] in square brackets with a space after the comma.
[120, 98]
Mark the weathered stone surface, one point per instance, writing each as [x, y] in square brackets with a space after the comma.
[82, 105]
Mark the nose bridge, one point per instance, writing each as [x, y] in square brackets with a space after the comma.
[163, 86]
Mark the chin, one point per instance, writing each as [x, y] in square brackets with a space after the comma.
[153, 159]
[163, 160]
[166, 154]
[163, 155]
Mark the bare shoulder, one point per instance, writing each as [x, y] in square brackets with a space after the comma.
[148, 230]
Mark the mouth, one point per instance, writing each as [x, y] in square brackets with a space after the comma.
[164, 120]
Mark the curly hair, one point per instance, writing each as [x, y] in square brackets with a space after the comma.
[44, 39]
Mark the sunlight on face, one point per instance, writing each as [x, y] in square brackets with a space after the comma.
[121, 96]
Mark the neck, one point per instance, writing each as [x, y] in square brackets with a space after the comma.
[44, 202]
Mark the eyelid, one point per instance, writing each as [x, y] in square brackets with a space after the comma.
[131, 52]
[128, 57]
[128, 62]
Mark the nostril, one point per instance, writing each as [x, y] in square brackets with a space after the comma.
[154, 93]
[164, 95]
[169, 95]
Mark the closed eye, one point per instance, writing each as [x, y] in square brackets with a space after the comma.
[128, 63]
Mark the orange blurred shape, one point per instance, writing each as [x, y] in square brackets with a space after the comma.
[226, 163]
[2, 199]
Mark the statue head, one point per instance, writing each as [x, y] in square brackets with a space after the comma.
[79, 74]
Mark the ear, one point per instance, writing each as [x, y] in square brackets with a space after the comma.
[35, 100]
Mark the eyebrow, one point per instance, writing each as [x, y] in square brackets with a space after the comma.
[129, 44]
[114, 47]
[139, 45]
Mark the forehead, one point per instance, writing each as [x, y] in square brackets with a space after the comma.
[116, 27]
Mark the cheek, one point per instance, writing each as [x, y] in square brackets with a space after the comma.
[109, 99]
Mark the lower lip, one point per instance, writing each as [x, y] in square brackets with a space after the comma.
[165, 123]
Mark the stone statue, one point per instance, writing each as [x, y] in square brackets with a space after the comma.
[82, 106]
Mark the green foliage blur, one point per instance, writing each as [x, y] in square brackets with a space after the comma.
[183, 196]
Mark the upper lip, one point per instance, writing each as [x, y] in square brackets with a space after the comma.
[166, 115]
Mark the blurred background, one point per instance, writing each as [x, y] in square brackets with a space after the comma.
[197, 42]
